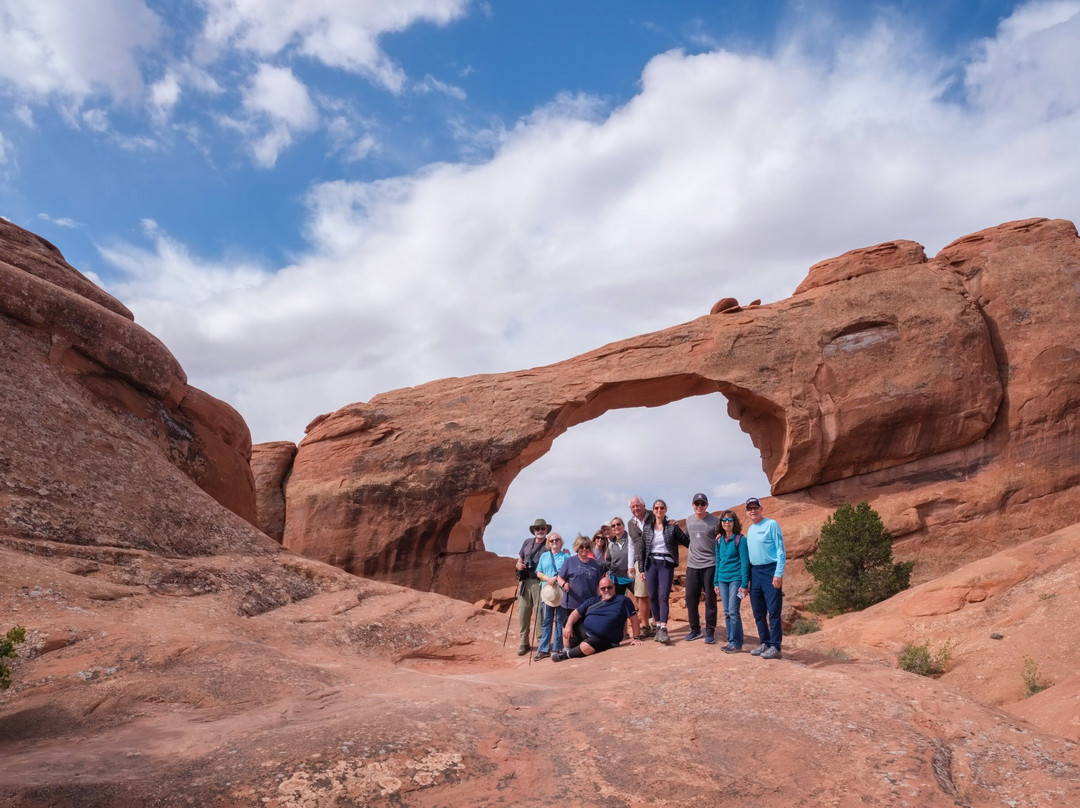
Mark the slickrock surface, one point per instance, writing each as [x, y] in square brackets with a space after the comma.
[178, 656]
[944, 391]
[51, 316]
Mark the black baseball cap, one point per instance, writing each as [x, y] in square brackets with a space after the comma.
[699, 498]
[753, 502]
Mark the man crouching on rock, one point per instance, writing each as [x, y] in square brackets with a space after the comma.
[597, 624]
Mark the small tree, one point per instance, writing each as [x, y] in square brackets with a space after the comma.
[14, 637]
[853, 562]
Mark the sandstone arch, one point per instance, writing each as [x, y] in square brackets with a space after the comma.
[843, 379]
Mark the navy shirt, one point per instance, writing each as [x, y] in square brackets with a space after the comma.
[607, 619]
[583, 577]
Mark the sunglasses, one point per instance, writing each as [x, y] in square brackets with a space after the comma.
[606, 588]
[659, 508]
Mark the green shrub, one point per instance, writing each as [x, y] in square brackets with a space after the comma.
[1033, 678]
[804, 625]
[853, 563]
[918, 659]
[14, 637]
[838, 653]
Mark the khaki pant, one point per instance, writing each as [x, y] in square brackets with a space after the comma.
[528, 610]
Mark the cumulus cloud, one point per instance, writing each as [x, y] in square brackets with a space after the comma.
[728, 174]
[280, 108]
[74, 49]
[338, 33]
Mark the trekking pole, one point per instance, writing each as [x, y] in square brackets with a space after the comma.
[510, 616]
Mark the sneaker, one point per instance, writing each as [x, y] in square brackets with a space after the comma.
[661, 634]
[695, 634]
[772, 652]
[646, 632]
[761, 649]
[710, 637]
[523, 650]
[541, 655]
[731, 648]
[558, 656]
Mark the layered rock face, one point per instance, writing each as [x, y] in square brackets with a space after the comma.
[270, 465]
[51, 316]
[923, 385]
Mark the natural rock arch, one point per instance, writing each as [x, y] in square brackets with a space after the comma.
[842, 379]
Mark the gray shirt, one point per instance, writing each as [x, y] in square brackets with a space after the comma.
[702, 533]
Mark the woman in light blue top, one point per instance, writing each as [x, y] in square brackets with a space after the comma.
[554, 617]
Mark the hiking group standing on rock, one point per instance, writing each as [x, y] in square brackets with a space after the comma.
[584, 602]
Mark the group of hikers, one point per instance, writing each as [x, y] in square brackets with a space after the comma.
[617, 584]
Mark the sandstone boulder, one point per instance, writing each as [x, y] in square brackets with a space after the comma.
[51, 315]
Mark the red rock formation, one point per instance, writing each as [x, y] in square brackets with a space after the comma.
[64, 320]
[270, 465]
[844, 380]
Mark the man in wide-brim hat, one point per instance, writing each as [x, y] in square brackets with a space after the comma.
[529, 584]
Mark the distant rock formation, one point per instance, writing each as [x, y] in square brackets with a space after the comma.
[271, 464]
[923, 385]
[53, 317]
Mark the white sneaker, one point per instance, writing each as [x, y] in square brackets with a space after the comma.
[761, 649]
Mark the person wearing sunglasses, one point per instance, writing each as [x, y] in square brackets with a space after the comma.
[659, 547]
[635, 563]
[702, 528]
[765, 546]
[554, 615]
[597, 624]
[732, 578]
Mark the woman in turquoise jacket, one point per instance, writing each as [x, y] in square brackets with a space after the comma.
[554, 617]
[732, 578]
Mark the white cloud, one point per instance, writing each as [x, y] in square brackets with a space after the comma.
[430, 84]
[4, 147]
[280, 109]
[339, 33]
[61, 221]
[727, 175]
[73, 48]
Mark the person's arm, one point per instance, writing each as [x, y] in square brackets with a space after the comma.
[680, 535]
[568, 629]
[635, 628]
[781, 557]
[744, 562]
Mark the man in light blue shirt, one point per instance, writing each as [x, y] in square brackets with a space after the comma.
[765, 545]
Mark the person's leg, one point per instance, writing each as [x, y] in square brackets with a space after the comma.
[727, 594]
[548, 623]
[774, 603]
[710, 599]
[652, 580]
[524, 605]
[736, 606]
[665, 575]
[561, 613]
[757, 601]
[693, 600]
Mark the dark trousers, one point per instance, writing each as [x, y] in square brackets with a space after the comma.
[698, 581]
[659, 576]
[767, 603]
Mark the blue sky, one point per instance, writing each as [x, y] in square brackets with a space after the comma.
[311, 203]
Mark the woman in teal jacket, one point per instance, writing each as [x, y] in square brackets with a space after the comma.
[732, 578]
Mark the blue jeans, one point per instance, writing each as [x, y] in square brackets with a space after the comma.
[729, 599]
[767, 602]
[554, 620]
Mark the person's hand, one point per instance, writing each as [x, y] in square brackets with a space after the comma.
[716, 589]
[520, 564]
[636, 641]
[742, 591]
[777, 583]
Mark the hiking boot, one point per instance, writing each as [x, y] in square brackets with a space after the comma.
[523, 650]
[558, 656]
[694, 634]
[772, 652]
[646, 632]
[710, 637]
[761, 649]
[661, 634]
[731, 648]
[541, 655]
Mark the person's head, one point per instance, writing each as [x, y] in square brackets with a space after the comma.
[554, 542]
[606, 531]
[659, 511]
[618, 527]
[701, 505]
[540, 529]
[599, 540]
[753, 510]
[606, 588]
[582, 545]
[730, 523]
[637, 507]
